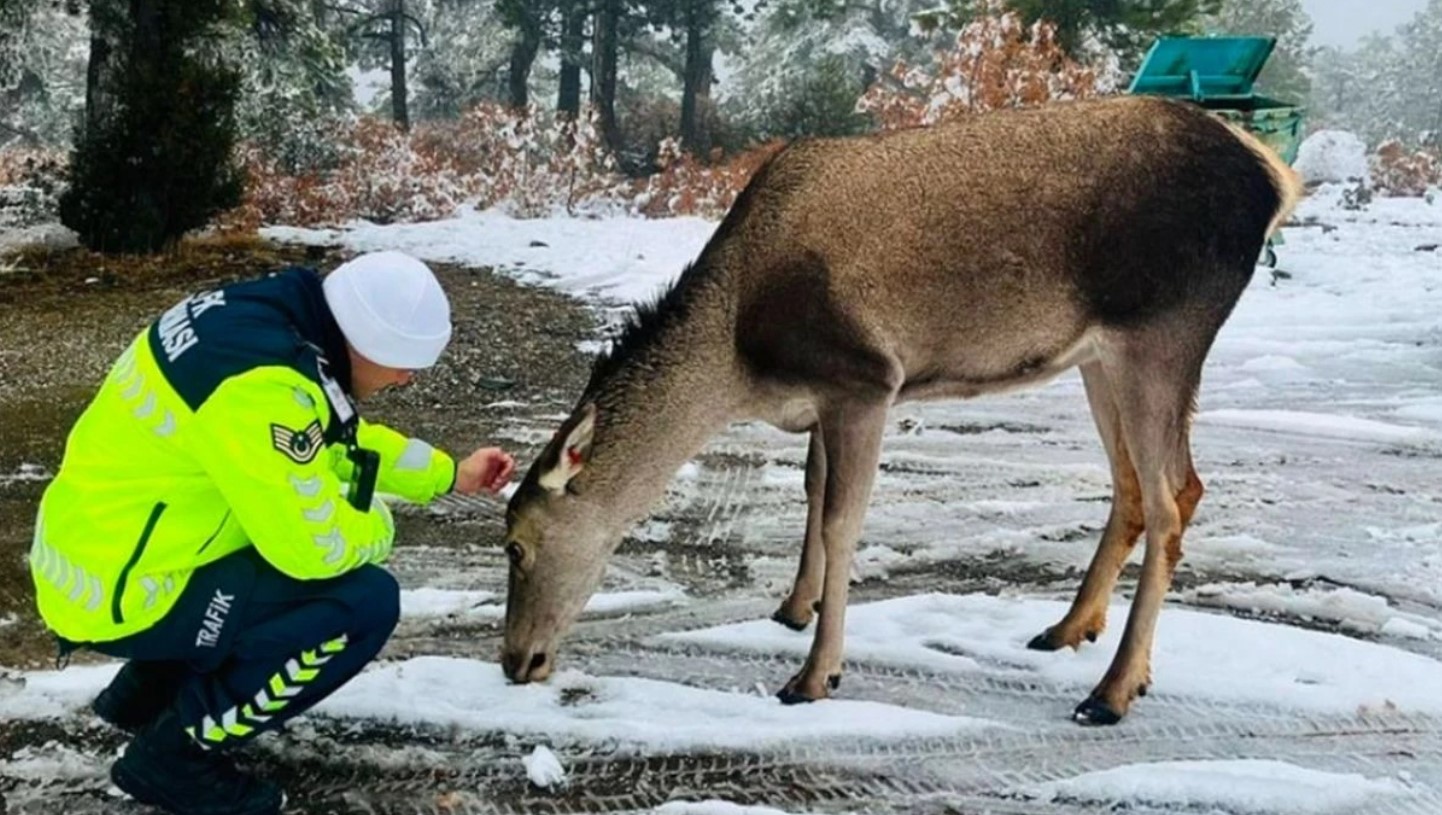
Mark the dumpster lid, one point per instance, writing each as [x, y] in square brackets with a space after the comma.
[1203, 67]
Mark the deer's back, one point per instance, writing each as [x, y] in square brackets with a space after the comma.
[985, 247]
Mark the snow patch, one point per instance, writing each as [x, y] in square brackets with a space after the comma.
[573, 707]
[1351, 609]
[616, 259]
[544, 769]
[1242, 787]
[26, 472]
[1321, 424]
[1207, 656]
[1332, 156]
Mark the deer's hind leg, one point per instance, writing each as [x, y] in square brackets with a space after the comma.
[1155, 371]
[1088, 615]
[798, 608]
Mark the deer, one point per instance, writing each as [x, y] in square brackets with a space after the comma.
[853, 274]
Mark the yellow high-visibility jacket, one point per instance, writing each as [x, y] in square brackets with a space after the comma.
[225, 424]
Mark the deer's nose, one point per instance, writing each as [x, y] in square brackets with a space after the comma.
[523, 666]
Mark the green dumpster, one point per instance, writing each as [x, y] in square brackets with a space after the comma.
[1218, 73]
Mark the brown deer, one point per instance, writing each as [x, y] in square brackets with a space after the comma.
[942, 262]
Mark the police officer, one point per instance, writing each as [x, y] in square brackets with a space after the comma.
[218, 519]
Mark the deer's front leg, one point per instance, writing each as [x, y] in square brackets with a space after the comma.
[851, 439]
[797, 609]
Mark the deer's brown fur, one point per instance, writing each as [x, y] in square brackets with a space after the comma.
[943, 262]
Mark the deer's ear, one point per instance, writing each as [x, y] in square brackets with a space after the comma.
[573, 453]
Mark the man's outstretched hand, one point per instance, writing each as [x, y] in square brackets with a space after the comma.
[489, 469]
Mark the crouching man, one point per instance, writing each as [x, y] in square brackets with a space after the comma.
[214, 520]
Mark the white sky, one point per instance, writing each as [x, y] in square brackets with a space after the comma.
[1345, 22]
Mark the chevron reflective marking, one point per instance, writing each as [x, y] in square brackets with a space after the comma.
[209, 731]
[40, 558]
[263, 701]
[67, 578]
[78, 575]
[298, 674]
[242, 720]
[152, 591]
[308, 488]
[233, 726]
[147, 407]
[55, 568]
[134, 389]
[167, 425]
[332, 542]
[60, 570]
[97, 594]
[169, 583]
[320, 514]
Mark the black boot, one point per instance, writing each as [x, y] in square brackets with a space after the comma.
[164, 767]
[138, 693]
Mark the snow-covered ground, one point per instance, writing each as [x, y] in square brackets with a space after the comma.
[1319, 437]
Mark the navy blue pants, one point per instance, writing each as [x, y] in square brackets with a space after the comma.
[262, 647]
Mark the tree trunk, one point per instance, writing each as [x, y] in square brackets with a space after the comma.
[603, 74]
[696, 87]
[108, 21]
[523, 56]
[573, 36]
[399, 108]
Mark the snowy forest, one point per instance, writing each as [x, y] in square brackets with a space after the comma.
[563, 168]
[317, 112]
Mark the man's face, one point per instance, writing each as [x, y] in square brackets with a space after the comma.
[369, 378]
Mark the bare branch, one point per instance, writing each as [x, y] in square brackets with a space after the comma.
[420, 28]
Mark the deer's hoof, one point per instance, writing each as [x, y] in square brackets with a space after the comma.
[1044, 642]
[796, 691]
[1052, 640]
[783, 617]
[1094, 712]
[788, 696]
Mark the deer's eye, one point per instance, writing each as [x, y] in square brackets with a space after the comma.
[515, 553]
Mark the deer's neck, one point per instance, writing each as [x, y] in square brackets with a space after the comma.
[660, 407]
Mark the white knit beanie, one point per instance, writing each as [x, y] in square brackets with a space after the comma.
[391, 309]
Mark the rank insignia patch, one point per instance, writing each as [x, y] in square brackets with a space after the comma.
[299, 446]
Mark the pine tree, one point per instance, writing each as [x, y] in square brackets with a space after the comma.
[1421, 75]
[1381, 110]
[1285, 74]
[1125, 26]
[294, 87]
[42, 71]
[466, 62]
[808, 61]
[385, 33]
[154, 158]
[1337, 89]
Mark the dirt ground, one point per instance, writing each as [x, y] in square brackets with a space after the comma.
[65, 315]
